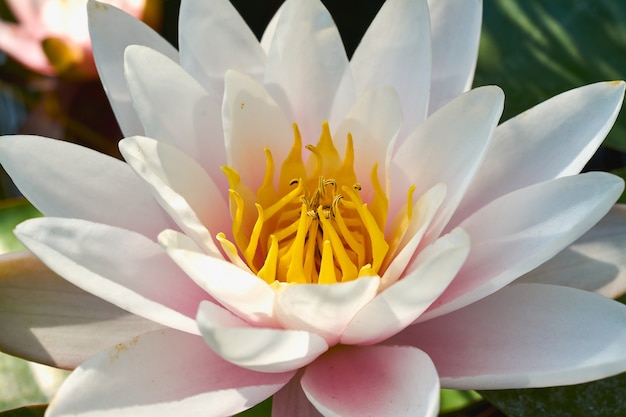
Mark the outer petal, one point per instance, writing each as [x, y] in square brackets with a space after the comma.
[182, 188]
[241, 292]
[174, 108]
[324, 309]
[308, 71]
[381, 381]
[270, 30]
[160, 374]
[122, 267]
[553, 139]
[449, 147]
[373, 122]
[66, 174]
[595, 262]
[455, 33]
[396, 307]
[213, 38]
[258, 349]
[523, 229]
[112, 30]
[395, 51]
[48, 320]
[526, 335]
[291, 401]
[252, 121]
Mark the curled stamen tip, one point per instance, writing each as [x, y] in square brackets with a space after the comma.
[294, 181]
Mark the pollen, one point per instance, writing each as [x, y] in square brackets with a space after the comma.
[313, 227]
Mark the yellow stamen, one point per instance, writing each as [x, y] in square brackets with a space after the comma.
[314, 227]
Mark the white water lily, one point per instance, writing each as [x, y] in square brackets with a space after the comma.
[271, 275]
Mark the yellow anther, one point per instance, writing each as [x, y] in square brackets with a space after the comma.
[306, 231]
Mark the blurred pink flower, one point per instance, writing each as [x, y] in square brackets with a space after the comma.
[52, 37]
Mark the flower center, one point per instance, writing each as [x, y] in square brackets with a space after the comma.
[314, 228]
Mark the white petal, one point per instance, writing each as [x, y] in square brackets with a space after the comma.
[373, 122]
[377, 381]
[449, 148]
[119, 266]
[240, 291]
[213, 38]
[395, 51]
[182, 188]
[95, 187]
[308, 71]
[260, 349]
[48, 320]
[397, 306]
[270, 30]
[524, 336]
[424, 211]
[111, 31]
[161, 374]
[553, 139]
[518, 232]
[324, 309]
[252, 122]
[174, 108]
[455, 32]
[595, 262]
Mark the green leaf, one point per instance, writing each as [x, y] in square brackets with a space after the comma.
[262, 409]
[453, 400]
[17, 384]
[30, 411]
[537, 49]
[621, 172]
[12, 212]
[603, 398]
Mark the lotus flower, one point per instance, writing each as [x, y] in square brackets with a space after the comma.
[52, 35]
[338, 234]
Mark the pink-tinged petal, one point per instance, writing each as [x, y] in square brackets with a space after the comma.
[520, 231]
[27, 12]
[20, 44]
[308, 72]
[524, 336]
[395, 51]
[119, 266]
[399, 305]
[449, 148]
[253, 121]
[324, 309]
[553, 139]
[213, 38]
[291, 401]
[111, 31]
[258, 349]
[373, 381]
[455, 34]
[162, 373]
[373, 122]
[175, 180]
[66, 175]
[424, 211]
[238, 290]
[159, 86]
[595, 262]
[48, 320]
